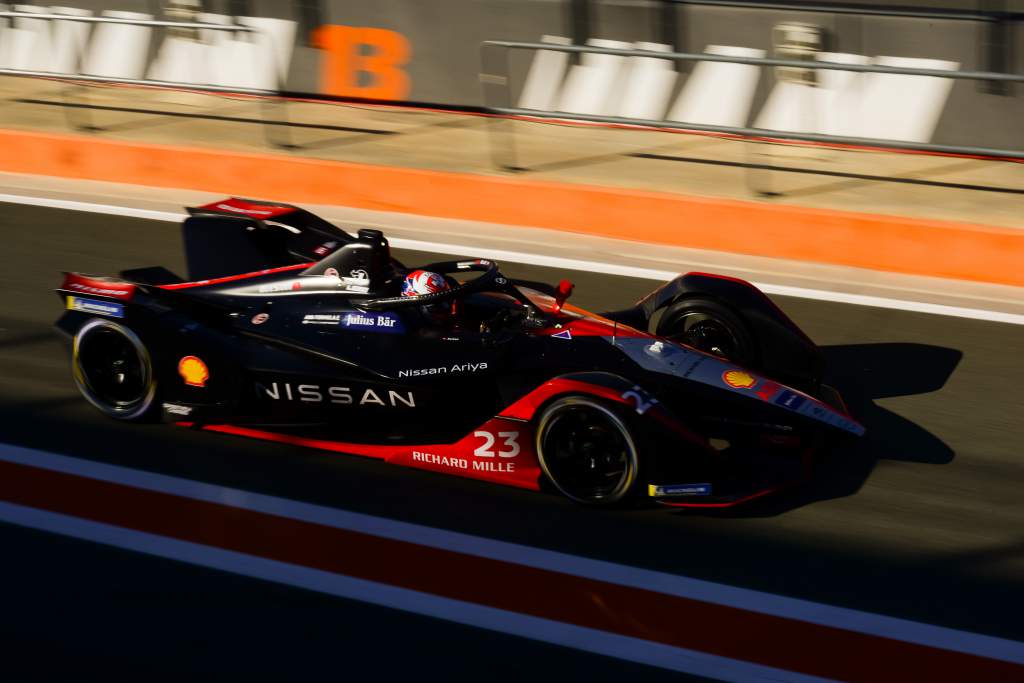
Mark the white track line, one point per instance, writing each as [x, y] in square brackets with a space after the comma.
[416, 602]
[571, 264]
[624, 575]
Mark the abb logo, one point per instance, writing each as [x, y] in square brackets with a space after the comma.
[363, 62]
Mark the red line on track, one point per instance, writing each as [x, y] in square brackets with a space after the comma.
[681, 622]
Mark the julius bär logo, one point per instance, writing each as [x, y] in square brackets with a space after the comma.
[193, 371]
[739, 379]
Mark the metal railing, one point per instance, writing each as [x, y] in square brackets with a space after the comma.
[273, 108]
[996, 48]
[859, 9]
[497, 98]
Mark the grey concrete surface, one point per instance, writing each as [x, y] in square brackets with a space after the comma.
[921, 186]
[921, 519]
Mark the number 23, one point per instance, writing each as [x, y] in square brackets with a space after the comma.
[510, 441]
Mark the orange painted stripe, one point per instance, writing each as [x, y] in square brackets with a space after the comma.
[889, 243]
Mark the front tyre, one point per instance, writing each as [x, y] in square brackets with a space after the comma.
[710, 326]
[113, 370]
[587, 451]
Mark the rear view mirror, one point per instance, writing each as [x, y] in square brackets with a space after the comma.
[564, 292]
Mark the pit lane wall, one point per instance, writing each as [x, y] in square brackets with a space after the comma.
[429, 52]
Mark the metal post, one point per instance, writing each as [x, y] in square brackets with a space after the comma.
[310, 18]
[502, 131]
[995, 46]
[579, 24]
[667, 29]
[79, 116]
[275, 116]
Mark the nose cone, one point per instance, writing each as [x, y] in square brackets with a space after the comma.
[668, 358]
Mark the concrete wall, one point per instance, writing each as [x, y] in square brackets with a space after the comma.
[444, 38]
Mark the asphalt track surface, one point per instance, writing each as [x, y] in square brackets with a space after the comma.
[921, 519]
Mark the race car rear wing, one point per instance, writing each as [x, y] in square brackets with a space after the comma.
[238, 235]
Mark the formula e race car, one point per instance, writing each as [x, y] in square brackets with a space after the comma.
[293, 330]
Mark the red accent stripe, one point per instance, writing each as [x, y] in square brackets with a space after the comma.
[234, 206]
[232, 278]
[365, 450]
[398, 454]
[101, 287]
[526, 407]
[657, 617]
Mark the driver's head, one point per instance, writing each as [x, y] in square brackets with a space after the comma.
[420, 282]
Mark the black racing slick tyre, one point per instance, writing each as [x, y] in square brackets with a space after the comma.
[588, 451]
[114, 371]
[711, 326]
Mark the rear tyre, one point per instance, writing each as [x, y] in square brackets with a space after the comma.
[113, 370]
[710, 326]
[587, 450]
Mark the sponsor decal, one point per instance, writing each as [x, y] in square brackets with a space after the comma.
[260, 318]
[358, 281]
[106, 308]
[323, 250]
[321, 319]
[434, 459]
[248, 212]
[347, 396]
[462, 265]
[443, 370]
[697, 362]
[768, 390]
[738, 379]
[496, 459]
[642, 401]
[564, 334]
[790, 399]
[193, 371]
[373, 322]
[278, 287]
[332, 272]
[176, 409]
[353, 286]
[679, 490]
[296, 286]
[123, 292]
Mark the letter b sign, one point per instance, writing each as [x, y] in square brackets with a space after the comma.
[363, 62]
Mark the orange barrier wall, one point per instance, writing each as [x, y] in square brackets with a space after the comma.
[890, 243]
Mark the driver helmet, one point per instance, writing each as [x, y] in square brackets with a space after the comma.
[420, 282]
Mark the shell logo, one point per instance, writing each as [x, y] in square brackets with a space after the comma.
[193, 371]
[739, 379]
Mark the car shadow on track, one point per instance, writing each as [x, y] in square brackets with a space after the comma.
[864, 373]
